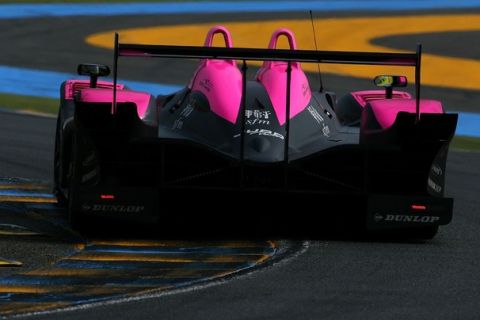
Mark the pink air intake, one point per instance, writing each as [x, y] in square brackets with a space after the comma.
[273, 76]
[94, 95]
[73, 87]
[219, 80]
[386, 111]
[366, 96]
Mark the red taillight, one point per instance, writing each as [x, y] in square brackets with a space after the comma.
[418, 207]
[107, 197]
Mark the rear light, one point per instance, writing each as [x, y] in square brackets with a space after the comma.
[107, 197]
[418, 207]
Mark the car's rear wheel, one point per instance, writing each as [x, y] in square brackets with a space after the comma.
[57, 168]
[75, 216]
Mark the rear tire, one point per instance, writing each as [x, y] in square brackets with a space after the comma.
[57, 165]
[77, 220]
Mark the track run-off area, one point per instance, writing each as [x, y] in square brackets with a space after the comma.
[99, 270]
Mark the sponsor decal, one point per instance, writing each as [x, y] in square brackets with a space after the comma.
[326, 130]
[405, 218]
[315, 114]
[187, 111]
[207, 84]
[262, 132]
[112, 208]
[89, 159]
[437, 170]
[252, 122]
[90, 175]
[319, 119]
[410, 218]
[257, 114]
[67, 122]
[178, 124]
[257, 117]
[434, 186]
[305, 88]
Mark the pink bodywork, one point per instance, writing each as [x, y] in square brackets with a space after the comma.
[72, 87]
[104, 94]
[273, 76]
[386, 111]
[219, 80]
[363, 97]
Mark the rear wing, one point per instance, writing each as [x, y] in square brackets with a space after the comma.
[253, 54]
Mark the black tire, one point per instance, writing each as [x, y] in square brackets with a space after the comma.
[75, 217]
[57, 165]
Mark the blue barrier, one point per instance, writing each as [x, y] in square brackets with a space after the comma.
[15, 11]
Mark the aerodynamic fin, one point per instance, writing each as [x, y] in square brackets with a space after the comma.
[273, 76]
[219, 80]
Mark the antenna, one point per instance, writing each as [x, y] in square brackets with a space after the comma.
[316, 49]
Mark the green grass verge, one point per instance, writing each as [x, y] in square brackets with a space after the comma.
[26, 103]
[50, 106]
[465, 143]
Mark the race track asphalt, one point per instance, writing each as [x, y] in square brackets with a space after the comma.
[332, 279]
[26, 144]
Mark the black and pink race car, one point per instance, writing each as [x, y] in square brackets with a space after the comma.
[238, 149]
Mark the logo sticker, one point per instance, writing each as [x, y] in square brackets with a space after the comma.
[315, 114]
[434, 186]
[113, 208]
[437, 170]
[207, 84]
[262, 132]
[405, 218]
[378, 217]
[402, 218]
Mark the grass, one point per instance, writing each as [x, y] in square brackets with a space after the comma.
[465, 143]
[50, 106]
[26, 103]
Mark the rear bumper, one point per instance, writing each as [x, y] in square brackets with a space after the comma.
[217, 206]
[397, 212]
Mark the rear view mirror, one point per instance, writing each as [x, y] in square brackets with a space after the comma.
[389, 82]
[89, 69]
[94, 71]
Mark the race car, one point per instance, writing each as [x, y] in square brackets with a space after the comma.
[228, 147]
